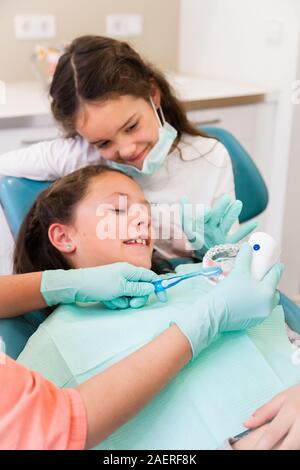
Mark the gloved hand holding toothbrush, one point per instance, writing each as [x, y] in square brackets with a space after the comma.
[117, 285]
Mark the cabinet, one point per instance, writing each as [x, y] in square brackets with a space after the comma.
[252, 125]
[19, 132]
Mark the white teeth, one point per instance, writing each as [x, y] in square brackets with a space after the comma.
[138, 240]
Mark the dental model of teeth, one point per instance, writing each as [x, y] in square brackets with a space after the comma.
[265, 253]
[222, 256]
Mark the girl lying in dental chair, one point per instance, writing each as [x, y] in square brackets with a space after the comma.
[232, 372]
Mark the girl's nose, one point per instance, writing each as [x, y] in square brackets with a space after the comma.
[127, 151]
[140, 222]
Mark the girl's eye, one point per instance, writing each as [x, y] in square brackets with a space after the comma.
[103, 144]
[106, 143]
[131, 128]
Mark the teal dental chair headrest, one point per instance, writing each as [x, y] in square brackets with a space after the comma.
[17, 196]
[250, 187]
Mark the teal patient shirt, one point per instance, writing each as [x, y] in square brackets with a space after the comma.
[205, 403]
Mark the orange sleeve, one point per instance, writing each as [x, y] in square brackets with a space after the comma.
[35, 414]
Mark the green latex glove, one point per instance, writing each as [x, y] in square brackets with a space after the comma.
[237, 303]
[126, 302]
[215, 223]
[118, 285]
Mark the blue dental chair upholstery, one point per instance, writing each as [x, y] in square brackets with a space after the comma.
[250, 187]
[16, 197]
[18, 194]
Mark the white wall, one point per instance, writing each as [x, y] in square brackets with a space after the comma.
[158, 41]
[291, 227]
[228, 39]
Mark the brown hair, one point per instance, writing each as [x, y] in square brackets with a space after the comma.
[34, 251]
[95, 68]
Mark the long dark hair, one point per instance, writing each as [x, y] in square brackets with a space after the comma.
[95, 68]
[34, 251]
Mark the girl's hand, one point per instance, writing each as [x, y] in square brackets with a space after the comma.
[282, 415]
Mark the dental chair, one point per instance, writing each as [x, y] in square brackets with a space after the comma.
[16, 197]
[250, 187]
[18, 194]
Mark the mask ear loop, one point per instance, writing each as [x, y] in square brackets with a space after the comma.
[162, 115]
[161, 120]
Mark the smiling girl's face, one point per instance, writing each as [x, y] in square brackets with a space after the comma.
[124, 129]
[108, 225]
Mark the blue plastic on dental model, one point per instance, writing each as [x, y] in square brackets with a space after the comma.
[163, 284]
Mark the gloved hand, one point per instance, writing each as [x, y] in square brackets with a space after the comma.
[237, 303]
[118, 285]
[211, 228]
[126, 302]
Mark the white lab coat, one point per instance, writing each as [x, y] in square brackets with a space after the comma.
[199, 168]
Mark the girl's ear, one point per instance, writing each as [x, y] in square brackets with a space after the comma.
[61, 238]
[155, 93]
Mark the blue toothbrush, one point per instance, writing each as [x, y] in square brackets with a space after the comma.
[164, 284]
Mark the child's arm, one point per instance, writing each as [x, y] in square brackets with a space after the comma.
[49, 160]
[20, 294]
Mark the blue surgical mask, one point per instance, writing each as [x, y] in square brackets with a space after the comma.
[166, 137]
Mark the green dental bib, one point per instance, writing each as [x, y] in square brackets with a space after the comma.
[209, 398]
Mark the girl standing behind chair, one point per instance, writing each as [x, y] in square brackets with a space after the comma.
[117, 109]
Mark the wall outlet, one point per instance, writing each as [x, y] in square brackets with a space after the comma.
[274, 30]
[124, 25]
[35, 26]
